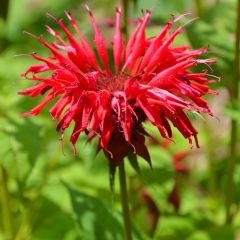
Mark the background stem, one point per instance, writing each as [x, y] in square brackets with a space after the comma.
[211, 164]
[125, 7]
[5, 204]
[200, 8]
[234, 127]
[124, 201]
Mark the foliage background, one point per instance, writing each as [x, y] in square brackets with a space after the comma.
[47, 194]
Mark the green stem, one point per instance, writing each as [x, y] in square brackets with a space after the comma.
[200, 8]
[234, 127]
[211, 164]
[4, 9]
[125, 7]
[5, 202]
[212, 177]
[124, 201]
[122, 175]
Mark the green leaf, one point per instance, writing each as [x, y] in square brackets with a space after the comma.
[157, 175]
[28, 134]
[175, 227]
[134, 162]
[52, 222]
[161, 9]
[199, 235]
[232, 109]
[95, 220]
[222, 233]
[162, 170]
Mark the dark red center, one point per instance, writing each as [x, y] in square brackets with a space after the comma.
[112, 83]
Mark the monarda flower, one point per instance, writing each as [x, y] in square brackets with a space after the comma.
[151, 81]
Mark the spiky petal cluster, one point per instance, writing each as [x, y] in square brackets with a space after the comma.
[151, 82]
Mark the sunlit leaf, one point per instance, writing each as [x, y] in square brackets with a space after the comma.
[95, 219]
[50, 216]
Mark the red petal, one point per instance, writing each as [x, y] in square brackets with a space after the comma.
[154, 46]
[139, 44]
[87, 49]
[58, 107]
[36, 110]
[35, 90]
[117, 41]
[99, 41]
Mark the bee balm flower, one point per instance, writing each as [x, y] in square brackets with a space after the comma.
[150, 81]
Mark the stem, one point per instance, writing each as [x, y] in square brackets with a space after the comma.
[234, 127]
[124, 201]
[5, 202]
[211, 164]
[200, 8]
[124, 4]
[122, 175]
[4, 9]
[212, 177]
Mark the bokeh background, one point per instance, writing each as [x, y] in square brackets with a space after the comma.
[46, 193]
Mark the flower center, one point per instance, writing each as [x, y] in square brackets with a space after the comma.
[112, 83]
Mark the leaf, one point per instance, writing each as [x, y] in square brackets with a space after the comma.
[22, 145]
[175, 227]
[161, 9]
[28, 134]
[95, 220]
[162, 170]
[51, 222]
[199, 235]
[232, 109]
[157, 175]
[222, 233]
[134, 162]
[19, 147]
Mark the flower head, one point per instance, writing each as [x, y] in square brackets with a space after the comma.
[150, 81]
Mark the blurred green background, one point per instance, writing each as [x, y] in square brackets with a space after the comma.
[47, 194]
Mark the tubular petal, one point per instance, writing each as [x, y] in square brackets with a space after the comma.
[152, 82]
[99, 41]
[117, 41]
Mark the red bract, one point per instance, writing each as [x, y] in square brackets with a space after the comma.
[150, 81]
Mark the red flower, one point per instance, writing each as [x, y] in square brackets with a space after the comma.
[151, 82]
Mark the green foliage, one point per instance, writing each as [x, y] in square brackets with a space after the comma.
[232, 110]
[95, 219]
